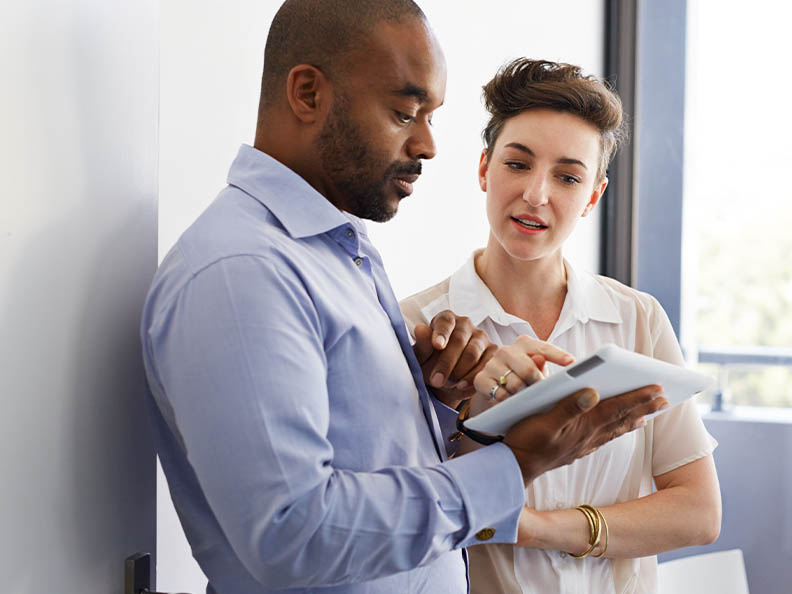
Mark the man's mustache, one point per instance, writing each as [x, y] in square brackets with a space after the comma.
[406, 168]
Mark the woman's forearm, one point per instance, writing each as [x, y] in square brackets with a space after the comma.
[684, 512]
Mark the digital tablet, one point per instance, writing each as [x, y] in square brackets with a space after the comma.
[612, 370]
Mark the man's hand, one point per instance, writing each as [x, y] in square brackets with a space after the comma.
[451, 352]
[577, 426]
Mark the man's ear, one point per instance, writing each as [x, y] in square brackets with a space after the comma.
[482, 170]
[308, 93]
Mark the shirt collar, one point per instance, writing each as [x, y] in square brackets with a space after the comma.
[301, 210]
[469, 296]
[586, 299]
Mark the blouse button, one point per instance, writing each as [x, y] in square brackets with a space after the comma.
[350, 233]
[358, 262]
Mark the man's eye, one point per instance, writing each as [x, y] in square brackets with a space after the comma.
[404, 118]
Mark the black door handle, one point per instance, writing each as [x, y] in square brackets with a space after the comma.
[137, 574]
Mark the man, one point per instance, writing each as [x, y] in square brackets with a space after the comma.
[301, 445]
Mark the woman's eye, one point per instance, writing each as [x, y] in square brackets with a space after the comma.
[569, 179]
[516, 165]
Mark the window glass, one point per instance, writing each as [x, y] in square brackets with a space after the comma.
[738, 197]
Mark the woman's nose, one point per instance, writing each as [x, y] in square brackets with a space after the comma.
[535, 192]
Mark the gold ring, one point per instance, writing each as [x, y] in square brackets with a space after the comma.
[502, 380]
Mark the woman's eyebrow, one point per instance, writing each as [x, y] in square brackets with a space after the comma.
[562, 160]
[569, 161]
[520, 147]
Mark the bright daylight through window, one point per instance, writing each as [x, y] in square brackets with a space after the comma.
[738, 199]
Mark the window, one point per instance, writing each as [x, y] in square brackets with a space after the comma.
[722, 271]
[738, 198]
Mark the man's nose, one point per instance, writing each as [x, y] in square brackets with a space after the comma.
[422, 144]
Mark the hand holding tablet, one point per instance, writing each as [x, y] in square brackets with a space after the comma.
[611, 371]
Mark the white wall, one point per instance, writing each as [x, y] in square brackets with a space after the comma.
[445, 219]
[78, 163]
[211, 58]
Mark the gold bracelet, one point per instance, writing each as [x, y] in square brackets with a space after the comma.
[605, 524]
[595, 529]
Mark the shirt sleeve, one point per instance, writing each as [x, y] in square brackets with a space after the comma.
[679, 435]
[241, 371]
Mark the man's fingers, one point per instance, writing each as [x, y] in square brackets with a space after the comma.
[459, 357]
[624, 413]
[634, 417]
[423, 343]
[467, 381]
[443, 325]
[634, 404]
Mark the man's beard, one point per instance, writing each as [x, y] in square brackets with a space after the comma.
[354, 170]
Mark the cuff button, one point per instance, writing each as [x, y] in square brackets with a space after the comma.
[485, 534]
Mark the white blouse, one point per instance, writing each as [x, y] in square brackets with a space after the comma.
[597, 310]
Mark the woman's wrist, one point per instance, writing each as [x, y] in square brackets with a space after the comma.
[563, 530]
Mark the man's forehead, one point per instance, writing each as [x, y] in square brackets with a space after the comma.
[403, 59]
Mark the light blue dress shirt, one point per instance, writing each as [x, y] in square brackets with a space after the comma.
[301, 447]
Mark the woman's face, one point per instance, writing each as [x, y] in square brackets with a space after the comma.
[540, 179]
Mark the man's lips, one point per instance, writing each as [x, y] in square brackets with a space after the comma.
[405, 182]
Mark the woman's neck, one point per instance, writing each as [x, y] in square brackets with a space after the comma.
[533, 290]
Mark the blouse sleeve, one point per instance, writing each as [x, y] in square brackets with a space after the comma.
[679, 435]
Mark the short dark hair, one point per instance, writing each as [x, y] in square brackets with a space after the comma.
[526, 84]
[322, 33]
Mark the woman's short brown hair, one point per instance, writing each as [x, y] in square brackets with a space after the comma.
[526, 84]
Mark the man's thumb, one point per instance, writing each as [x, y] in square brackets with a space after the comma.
[577, 403]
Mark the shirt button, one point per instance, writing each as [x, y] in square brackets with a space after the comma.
[485, 534]
[350, 233]
[358, 262]
[563, 555]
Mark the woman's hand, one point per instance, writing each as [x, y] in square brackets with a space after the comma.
[513, 368]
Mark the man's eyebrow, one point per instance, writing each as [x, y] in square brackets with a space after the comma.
[410, 90]
[563, 160]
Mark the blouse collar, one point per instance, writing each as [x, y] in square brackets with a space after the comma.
[586, 300]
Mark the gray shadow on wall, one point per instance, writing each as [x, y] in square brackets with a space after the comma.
[77, 463]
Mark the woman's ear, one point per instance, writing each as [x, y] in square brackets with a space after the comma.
[308, 92]
[482, 170]
[599, 189]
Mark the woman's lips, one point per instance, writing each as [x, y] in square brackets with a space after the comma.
[529, 225]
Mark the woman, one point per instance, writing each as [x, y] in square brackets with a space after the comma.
[551, 134]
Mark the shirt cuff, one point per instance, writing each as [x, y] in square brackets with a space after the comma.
[493, 492]
[446, 417]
